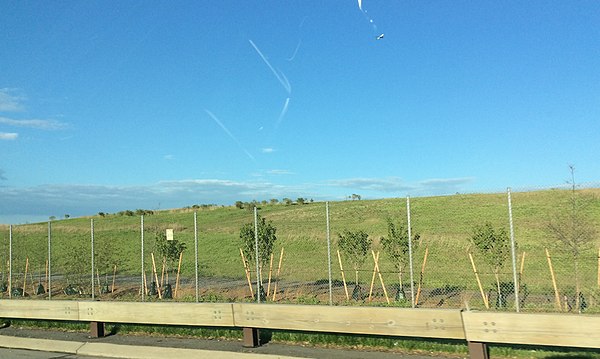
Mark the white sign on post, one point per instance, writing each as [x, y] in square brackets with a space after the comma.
[169, 234]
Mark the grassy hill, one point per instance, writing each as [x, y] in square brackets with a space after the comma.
[444, 223]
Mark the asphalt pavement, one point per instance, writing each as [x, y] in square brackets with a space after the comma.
[17, 343]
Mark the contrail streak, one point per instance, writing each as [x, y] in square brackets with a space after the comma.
[295, 51]
[229, 134]
[285, 84]
[283, 112]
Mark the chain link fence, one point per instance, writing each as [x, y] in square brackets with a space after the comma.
[354, 252]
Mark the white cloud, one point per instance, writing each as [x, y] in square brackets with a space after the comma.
[9, 102]
[34, 123]
[268, 150]
[8, 136]
[78, 200]
[169, 157]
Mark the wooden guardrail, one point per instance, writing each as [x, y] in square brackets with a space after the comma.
[477, 328]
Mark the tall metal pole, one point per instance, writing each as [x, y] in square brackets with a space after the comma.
[410, 255]
[143, 273]
[49, 260]
[513, 253]
[258, 279]
[92, 238]
[10, 261]
[329, 255]
[196, 252]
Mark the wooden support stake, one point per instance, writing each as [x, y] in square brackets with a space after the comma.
[343, 275]
[25, 276]
[483, 297]
[247, 270]
[277, 276]
[145, 289]
[598, 267]
[156, 276]
[374, 274]
[32, 281]
[522, 265]
[162, 272]
[270, 272]
[556, 293]
[421, 277]
[113, 281]
[178, 271]
[387, 299]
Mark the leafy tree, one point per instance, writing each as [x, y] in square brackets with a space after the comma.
[287, 201]
[494, 246]
[355, 196]
[266, 240]
[573, 232]
[355, 246]
[274, 201]
[239, 204]
[170, 250]
[67, 216]
[300, 200]
[397, 248]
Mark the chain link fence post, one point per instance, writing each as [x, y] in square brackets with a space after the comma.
[410, 254]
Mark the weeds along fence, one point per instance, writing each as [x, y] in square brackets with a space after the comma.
[338, 253]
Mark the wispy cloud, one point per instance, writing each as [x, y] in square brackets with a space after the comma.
[396, 185]
[268, 150]
[9, 101]
[8, 136]
[278, 73]
[224, 128]
[34, 123]
[169, 157]
[373, 184]
[280, 172]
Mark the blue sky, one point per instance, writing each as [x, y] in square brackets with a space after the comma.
[113, 105]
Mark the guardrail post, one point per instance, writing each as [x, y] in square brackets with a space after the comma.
[251, 337]
[479, 350]
[96, 329]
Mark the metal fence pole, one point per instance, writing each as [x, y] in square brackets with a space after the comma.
[10, 261]
[410, 254]
[49, 260]
[258, 279]
[513, 253]
[196, 252]
[329, 254]
[92, 239]
[143, 272]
